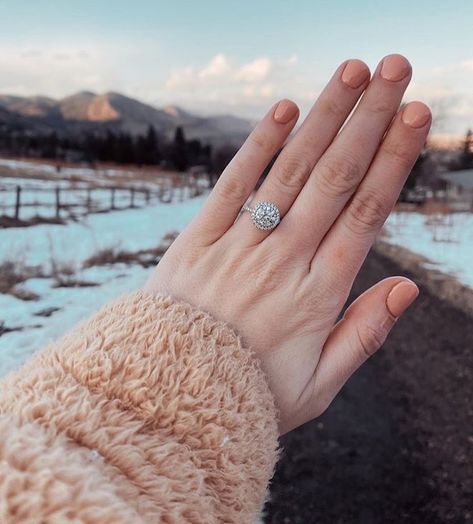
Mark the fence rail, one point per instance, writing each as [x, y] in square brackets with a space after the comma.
[62, 202]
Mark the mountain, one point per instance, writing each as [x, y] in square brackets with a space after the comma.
[86, 110]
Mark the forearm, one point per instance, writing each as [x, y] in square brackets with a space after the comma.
[161, 399]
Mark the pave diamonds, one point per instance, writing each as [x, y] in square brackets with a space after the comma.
[265, 215]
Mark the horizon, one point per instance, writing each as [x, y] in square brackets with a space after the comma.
[246, 58]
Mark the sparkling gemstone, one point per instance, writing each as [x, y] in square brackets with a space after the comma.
[265, 215]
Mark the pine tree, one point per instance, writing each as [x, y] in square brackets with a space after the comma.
[180, 158]
[466, 158]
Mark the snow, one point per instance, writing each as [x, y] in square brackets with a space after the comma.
[445, 240]
[71, 244]
[131, 230]
[51, 170]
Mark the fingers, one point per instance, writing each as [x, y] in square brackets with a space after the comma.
[361, 332]
[343, 166]
[240, 176]
[294, 165]
[347, 243]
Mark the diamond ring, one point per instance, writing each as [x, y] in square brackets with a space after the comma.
[265, 215]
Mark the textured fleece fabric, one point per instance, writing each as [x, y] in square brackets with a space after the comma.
[150, 411]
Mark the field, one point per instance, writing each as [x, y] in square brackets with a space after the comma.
[52, 275]
[397, 442]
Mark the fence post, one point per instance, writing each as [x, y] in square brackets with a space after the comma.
[58, 201]
[132, 197]
[89, 199]
[18, 202]
[112, 198]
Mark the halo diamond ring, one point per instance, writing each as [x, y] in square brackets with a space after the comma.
[265, 215]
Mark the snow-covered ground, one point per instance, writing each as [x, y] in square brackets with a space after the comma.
[445, 240]
[50, 169]
[71, 244]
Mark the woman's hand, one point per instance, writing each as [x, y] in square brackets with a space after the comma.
[282, 290]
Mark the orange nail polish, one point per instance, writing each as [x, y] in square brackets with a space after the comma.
[416, 115]
[355, 74]
[401, 296]
[395, 68]
[285, 111]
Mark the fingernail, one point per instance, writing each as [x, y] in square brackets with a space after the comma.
[395, 68]
[355, 74]
[285, 111]
[401, 296]
[416, 114]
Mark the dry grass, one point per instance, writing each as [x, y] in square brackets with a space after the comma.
[64, 275]
[6, 221]
[144, 257]
[12, 274]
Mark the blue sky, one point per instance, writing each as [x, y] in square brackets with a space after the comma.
[215, 56]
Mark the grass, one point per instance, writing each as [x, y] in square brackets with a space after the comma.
[144, 257]
[12, 274]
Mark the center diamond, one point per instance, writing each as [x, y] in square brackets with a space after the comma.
[265, 215]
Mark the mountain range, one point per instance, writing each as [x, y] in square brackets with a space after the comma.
[87, 111]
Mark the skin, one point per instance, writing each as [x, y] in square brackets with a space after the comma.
[335, 183]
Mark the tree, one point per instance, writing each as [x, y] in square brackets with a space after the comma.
[466, 157]
[180, 157]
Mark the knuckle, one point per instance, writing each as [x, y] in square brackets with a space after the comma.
[379, 106]
[293, 173]
[399, 153]
[332, 107]
[366, 212]
[232, 189]
[263, 141]
[339, 176]
[370, 338]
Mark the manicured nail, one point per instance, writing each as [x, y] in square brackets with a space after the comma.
[285, 111]
[416, 114]
[355, 74]
[401, 296]
[395, 68]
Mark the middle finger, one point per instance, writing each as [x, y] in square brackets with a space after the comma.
[343, 166]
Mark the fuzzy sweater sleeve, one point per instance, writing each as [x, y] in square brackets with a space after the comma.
[150, 411]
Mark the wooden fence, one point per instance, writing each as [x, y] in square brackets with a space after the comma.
[62, 202]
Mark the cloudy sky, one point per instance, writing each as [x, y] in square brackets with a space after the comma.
[234, 56]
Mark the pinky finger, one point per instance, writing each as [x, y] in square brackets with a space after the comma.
[362, 331]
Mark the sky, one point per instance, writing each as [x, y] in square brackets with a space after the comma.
[235, 57]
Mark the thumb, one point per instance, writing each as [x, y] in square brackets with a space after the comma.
[361, 332]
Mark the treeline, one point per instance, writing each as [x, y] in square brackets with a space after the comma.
[117, 147]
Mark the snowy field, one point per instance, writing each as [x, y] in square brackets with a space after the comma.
[50, 170]
[131, 230]
[445, 240]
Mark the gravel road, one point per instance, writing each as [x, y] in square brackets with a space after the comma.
[397, 444]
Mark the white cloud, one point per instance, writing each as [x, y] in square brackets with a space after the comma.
[218, 66]
[254, 71]
[467, 65]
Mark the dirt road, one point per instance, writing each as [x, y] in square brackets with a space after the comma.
[397, 444]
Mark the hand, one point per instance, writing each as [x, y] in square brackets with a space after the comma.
[283, 290]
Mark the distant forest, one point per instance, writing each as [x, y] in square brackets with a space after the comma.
[118, 147]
